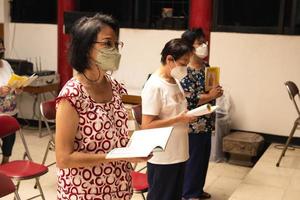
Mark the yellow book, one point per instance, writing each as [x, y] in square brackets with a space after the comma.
[212, 77]
[16, 81]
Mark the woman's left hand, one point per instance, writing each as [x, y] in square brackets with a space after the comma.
[18, 90]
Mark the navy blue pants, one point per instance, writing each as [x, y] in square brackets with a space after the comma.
[197, 165]
[165, 181]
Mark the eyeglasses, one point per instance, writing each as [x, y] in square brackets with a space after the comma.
[198, 43]
[110, 45]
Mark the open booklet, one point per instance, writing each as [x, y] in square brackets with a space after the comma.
[16, 81]
[142, 143]
[202, 110]
[212, 77]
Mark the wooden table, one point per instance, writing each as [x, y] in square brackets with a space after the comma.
[42, 89]
[132, 99]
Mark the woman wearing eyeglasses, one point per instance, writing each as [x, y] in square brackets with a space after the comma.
[201, 129]
[91, 118]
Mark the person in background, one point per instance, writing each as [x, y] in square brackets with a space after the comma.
[200, 130]
[163, 104]
[8, 102]
[91, 118]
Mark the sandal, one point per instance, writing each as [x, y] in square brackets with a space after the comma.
[205, 195]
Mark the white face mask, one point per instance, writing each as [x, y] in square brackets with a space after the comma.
[202, 51]
[108, 59]
[179, 72]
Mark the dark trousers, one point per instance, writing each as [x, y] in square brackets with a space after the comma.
[165, 181]
[8, 143]
[197, 165]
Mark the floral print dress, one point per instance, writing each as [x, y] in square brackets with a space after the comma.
[194, 85]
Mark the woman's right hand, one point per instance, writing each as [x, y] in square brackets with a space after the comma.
[185, 118]
[4, 90]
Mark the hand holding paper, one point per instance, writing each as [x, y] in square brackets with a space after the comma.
[202, 110]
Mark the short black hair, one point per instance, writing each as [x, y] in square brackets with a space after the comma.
[176, 48]
[83, 35]
[193, 34]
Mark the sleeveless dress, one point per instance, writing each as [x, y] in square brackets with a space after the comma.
[102, 127]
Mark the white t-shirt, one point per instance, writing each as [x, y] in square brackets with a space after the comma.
[166, 100]
[7, 103]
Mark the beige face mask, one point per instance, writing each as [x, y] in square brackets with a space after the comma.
[108, 59]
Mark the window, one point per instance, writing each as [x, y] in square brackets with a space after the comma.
[257, 16]
[169, 14]
[155, 14]
[34, 11]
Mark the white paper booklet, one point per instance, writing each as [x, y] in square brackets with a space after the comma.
[202, 110]
[142, 143]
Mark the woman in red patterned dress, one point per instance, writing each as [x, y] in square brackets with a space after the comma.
[91, 119]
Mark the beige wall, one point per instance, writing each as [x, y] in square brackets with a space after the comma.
[253, 68]
[32, 42]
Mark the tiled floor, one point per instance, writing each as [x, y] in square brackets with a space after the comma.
[221, 181]
[224, 181]
[266, 181]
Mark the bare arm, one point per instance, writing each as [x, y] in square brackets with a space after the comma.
[67, 121]
[211, 95]
[152, 121]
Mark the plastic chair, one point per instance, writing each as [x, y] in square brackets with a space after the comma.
[20, 169]
[293, 91]
[7, 187]
[48, 112]
[139, 183]
[139, 179]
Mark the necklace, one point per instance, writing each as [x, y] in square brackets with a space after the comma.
[93, 81]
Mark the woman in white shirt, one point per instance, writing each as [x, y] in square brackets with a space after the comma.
[8, 103]
[164, 104]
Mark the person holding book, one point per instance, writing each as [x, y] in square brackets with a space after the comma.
[8, 102]
[200, 130]
[163, 104]
[91, 118]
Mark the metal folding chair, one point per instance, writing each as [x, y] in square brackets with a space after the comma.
[293, 92]
[19, 170]
[48, 112]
